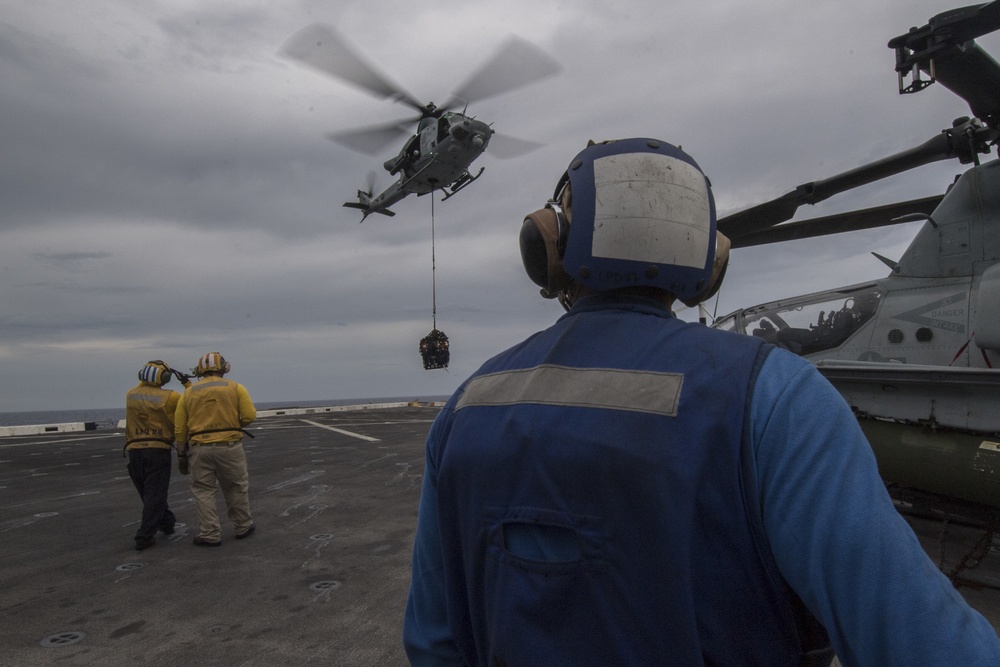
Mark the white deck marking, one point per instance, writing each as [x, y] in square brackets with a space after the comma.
[73, 439]
[340, 430]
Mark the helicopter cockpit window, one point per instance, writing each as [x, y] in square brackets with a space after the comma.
[460, 133]
[727, 323]
[443, 126]
[805, 327]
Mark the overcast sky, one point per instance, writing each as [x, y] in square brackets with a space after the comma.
[166, 189]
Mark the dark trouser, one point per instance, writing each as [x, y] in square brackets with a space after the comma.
[150, 472]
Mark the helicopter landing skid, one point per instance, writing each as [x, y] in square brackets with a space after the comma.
[461, 183]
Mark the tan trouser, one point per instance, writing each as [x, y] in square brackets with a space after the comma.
[220, 465]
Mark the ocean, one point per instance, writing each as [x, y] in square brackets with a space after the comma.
[109, 417]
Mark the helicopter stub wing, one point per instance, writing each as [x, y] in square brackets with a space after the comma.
[951, 397]
[932, 429]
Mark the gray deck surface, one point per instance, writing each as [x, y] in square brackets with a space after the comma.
[323, 581]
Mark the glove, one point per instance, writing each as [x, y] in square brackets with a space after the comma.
[183, 465]
[184, 378]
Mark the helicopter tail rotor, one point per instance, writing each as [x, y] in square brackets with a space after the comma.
[364, 203]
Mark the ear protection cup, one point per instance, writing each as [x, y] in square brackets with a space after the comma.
[543, 242]
[155, 372]
[719, 266]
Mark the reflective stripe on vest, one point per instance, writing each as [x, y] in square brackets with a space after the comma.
[610, 388]
[146, 417]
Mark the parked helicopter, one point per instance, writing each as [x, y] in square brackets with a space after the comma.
[446, 143]
[917, 353]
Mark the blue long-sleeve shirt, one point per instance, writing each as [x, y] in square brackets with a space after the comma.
[832, 529]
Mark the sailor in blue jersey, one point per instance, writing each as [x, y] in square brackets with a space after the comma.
[624, 488]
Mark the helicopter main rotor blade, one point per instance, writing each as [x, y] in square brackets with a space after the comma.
[320, 47]
[869, 218]
[507, 147]
[949, 144]
[516, 63]
[371, 140]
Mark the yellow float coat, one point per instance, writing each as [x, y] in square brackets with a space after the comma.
[149, 416]
[213, 410]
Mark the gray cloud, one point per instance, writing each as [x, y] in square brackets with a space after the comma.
[166, 190]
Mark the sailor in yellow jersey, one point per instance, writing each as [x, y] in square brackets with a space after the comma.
[210, 419]
[149, 436]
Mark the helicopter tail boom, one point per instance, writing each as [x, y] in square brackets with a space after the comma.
[379, 204]
[366, 209]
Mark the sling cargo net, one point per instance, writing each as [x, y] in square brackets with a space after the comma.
[434, 350]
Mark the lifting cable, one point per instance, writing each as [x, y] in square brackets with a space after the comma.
[434, 307]
[434, 346]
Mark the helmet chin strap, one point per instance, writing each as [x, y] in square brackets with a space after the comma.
[568, 296]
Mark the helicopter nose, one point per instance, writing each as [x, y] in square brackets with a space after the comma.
[477, 141]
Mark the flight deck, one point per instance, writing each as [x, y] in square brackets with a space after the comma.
[323, 580]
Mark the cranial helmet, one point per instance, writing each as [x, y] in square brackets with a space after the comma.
[628, 213]
[213, 362]
[155, 372]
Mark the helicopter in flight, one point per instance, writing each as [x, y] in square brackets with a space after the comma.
[917, 353]
[439, 154]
